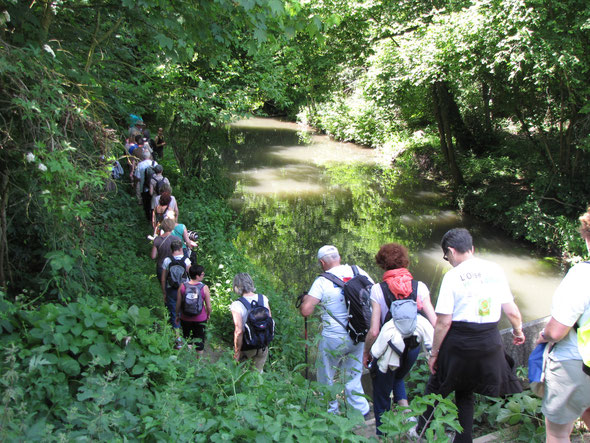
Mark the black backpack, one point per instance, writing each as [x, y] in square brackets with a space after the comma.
[158, 185]
[148, 173]
[193, 299]
[357, 294]
[404, 312]
[176, 273]
[259, 329]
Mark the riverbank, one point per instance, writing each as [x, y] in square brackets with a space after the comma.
[508, 186]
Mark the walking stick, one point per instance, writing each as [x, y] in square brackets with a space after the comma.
[298, 305]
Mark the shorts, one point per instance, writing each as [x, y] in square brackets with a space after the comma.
[194, 330]
[567, 391]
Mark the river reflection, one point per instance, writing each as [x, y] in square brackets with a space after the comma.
[295, 196]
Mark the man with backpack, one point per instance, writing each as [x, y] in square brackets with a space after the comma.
[253, 322]
[341, 346]
[174, 274]
[144, 173]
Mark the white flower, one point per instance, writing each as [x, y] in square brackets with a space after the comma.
[220, 266]
[30, 157]
[42, 167]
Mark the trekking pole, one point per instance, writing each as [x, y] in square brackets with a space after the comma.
[298, 305]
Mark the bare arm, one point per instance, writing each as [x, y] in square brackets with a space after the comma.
[163, 282]
[428, 310]
[154, 252]
[513, 314]
[191, 244]
[373, 331]
[308, 305]
[443, 324]
[554, 331]
[238, 334]
[207, 300]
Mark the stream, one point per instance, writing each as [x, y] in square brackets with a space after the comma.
[297, 191]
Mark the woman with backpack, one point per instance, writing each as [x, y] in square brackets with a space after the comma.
[193, 307]
[244, 287]
[181, 232]
[162, 203]
[397, 284]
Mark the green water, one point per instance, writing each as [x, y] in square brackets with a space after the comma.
[297, 192]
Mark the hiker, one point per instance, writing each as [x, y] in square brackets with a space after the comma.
[172, 277]
[244, 287]
[161, 247]
[136, 129]
[397, 284]
[144, 172]
[193, 307]
[159, 212]
[337, 351]
[467, 353]
[160, 143]
[164, 189]
[157, 183]
[181, 232]
[567, 371]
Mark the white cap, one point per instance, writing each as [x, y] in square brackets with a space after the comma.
[327, 250]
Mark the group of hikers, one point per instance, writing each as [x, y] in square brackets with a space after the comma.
[382, 326]
[186, 297]
[460, 335]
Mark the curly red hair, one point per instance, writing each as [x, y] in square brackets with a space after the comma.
[392, 256]
[585, 224]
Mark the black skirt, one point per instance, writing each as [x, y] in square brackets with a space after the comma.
[472, 358]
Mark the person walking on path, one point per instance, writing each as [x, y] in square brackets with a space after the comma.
[467, 353]
[143, 185]
[244, 287]
[161, 247]
[171, 285]
[160, 143]
[567, 380]
[194, 324]
[336, 351]
[394, 260]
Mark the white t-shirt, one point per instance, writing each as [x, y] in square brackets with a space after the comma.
[168, 260]
[140, 171]
[474, 292]
[331, 298]
[570, 301]
[377, 296]
[237, 305]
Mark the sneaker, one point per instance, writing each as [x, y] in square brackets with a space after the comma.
[178, 344]
[413, 434]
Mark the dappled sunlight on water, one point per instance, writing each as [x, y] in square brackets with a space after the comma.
[291, 205]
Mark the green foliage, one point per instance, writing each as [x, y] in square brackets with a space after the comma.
[444, 417]
[95, 370]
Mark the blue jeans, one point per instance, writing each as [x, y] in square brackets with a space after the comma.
[391, 381]
[171, 305]
[340, 353]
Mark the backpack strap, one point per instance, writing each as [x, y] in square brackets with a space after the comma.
[246, 303]
[389, 296]
[333, 278]
[260, 300]
[355, 270]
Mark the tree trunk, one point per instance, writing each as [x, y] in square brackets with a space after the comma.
[441, 112]
[485, 93]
